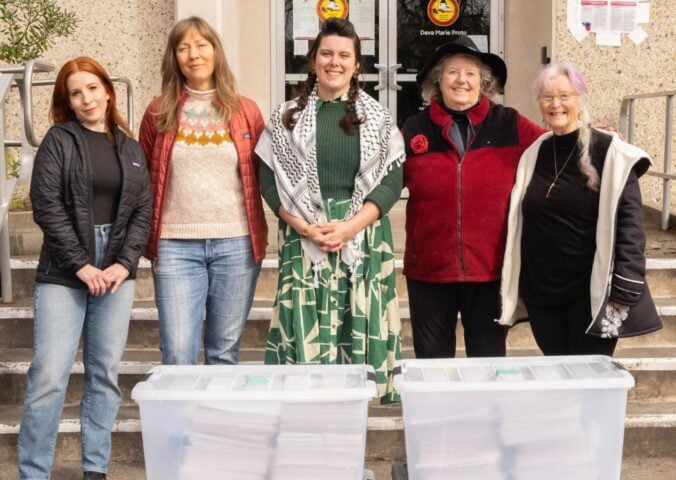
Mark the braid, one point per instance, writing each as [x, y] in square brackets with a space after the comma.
[288, 119]
[351, 120]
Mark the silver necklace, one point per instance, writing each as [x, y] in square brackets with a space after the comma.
[558, 172]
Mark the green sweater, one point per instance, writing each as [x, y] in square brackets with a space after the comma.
[337, 164]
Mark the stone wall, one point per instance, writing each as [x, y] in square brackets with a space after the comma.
[613, 72]
[126, 36]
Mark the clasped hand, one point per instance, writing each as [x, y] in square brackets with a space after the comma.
[99, 281]
[330, 236]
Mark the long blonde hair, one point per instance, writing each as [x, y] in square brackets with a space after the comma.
[173, 80]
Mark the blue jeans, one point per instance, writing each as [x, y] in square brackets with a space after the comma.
[218, 275]
[62, 314]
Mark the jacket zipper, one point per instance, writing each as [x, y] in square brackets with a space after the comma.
[461, 257]
[90, 177]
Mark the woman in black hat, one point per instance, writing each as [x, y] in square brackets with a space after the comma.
[462, 153]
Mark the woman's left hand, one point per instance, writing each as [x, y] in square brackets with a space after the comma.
[343, 231]
[116, 274]
[340, 233]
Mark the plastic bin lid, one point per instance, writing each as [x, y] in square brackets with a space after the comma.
[513, 373]
[257, 382]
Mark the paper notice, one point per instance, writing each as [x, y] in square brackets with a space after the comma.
[594, 15]
[643, 12]
[300, 47]
[368, 47]
[609, 39]
[363, 17]
[305, 21]
[573, 20]
[622, 16]
[481, 42]
[579, 33]
[638, 35]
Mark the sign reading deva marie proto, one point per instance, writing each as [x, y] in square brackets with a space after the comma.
[443, 12]
[332, 9]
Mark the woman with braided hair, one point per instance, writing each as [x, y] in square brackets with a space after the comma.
[331, 171]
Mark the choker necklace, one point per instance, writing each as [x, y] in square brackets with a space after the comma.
[558, 172]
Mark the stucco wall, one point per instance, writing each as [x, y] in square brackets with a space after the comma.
[613, 72]
[126, 36]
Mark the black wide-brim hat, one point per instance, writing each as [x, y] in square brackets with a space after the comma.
[466, 46]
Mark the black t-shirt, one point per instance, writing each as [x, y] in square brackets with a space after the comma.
[106, 176]
[559, 231]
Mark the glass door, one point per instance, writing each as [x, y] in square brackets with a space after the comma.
[397, 37]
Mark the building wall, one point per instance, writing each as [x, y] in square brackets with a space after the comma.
[126, 36]
[523, 51]
[613, 72]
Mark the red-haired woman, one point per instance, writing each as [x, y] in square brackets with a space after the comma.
[91, 198]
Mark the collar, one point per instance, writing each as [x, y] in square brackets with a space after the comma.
[476, 114]
[342, 98]
[199, 93]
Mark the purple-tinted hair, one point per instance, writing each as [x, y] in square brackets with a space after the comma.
[564, 68]
[579, 84]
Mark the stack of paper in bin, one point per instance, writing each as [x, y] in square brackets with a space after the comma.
[228, 445]
[319, 441]
[546, 435]
[459, 445]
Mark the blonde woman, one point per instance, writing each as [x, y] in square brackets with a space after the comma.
[208, 233]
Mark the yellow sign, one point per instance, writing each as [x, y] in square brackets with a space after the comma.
[331, 9]
[443, 12]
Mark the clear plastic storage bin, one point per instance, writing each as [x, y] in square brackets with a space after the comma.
[519, 418]
[245, 422]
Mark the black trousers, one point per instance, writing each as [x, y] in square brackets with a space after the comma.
[434, 315]
[560, 330]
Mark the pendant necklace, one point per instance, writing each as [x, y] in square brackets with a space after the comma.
[558, 172]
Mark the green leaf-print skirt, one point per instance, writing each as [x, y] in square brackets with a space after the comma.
[338, 321]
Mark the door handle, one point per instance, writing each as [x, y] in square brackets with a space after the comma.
[382, 77]
[392, 77]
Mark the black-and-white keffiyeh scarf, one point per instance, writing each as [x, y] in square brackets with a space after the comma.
[292, 156]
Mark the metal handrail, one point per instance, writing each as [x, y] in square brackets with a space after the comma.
[627, 129]
[26, 94]
[8, 79]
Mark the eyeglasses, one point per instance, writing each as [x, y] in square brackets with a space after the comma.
[563, 97]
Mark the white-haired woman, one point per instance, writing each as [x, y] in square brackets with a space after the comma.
[462, 152]
[575, 245]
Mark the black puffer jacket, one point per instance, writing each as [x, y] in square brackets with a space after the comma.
[62, 196]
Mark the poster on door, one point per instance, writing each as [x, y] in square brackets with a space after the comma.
[443, 13]
[308, 15]
[447, 19]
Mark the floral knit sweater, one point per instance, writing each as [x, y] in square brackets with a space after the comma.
[204, 196]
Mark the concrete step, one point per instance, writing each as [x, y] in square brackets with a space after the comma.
[26, 237]
[632, 469]
[660, 275]
[650, 431]
[654, 371]
[16, 327]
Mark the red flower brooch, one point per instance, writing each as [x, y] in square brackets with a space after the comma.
[419, 144]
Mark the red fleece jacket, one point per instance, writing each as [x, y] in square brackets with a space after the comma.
[457, 209]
